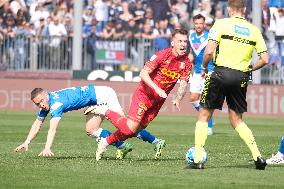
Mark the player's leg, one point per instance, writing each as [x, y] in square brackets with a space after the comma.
[279, 157]
[196, 88]
[148, 117]
[93, 129]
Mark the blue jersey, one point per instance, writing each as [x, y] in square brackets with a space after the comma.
[198, 44]
[69, 99]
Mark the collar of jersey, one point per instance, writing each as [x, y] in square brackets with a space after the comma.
[239, 17]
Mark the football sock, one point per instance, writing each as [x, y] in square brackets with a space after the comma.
[114, 118]
[281, 148]
[117, 136]
[196, 105]
[210, 122]
[146, 136]
[200, 138]
[247, 136]
[105, 133]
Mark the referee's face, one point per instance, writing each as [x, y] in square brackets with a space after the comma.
[199, 25]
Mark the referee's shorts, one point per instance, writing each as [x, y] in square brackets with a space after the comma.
[229, 83]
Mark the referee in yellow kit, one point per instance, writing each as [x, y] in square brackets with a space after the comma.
[231, 44]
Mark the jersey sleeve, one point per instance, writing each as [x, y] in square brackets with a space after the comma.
[154, 61]
[42, 114]
[215, 32]
[56, 110]
[260, 46]
[186, 71]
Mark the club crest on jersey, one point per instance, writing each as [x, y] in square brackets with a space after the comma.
[182, 65]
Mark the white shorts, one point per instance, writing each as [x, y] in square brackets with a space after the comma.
[107, 95]
[196, 83]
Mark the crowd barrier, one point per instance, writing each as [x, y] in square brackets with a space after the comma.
[29, 53]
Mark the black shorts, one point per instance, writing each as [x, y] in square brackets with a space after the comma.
[229, 83]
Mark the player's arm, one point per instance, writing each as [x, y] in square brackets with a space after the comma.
[208, 56]
[46, 152]
[180, 93]
[145, 77]
[32, 134]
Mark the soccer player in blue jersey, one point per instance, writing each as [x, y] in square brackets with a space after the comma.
[279, 157]
[58, 102]
[198, 39]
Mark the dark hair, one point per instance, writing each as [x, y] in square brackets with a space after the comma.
[199, 16]
[180, 31]
[35, 92]
[237, 4]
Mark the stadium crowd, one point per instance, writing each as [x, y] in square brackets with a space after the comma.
[117, 19]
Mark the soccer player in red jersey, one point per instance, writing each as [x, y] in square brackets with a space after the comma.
[158, 78]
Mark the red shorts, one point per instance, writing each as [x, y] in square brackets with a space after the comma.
[144, 108]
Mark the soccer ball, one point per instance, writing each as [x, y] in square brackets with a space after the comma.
[190, 156]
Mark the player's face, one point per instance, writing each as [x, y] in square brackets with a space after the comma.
[180, 44]
[41, 101]
[199, 25]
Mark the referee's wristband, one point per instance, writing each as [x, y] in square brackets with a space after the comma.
[27, 142]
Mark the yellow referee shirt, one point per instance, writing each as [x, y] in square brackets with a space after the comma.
[236, 39]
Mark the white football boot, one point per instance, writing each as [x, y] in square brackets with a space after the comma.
[102, 148]
[275, 160]
[99, 109]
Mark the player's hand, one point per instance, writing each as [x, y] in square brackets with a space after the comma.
[46, 153]
[176, 103]
[203, 73]
[161, 92]
[23, 146]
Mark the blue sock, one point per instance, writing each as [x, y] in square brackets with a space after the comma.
[281, 148]
[106, 133]
[210, 123]
[196, 105]
[146, 136]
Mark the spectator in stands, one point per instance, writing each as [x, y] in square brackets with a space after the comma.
[148, 18]
[182, 13]
[68, 26]
[162, 35]
[101, 13]
[139, 12]
[148, 36]
[200, 10]
[223, 4]
[88, 15]
[20, 43]
[125, 15]
[279, 32]
[17, 5]
[56, 31]
[161, 9]
[108, 31]
[115, 9]
[119, 30]
[5, 11]
[40, 12]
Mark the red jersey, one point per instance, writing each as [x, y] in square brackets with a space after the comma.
[166, 70]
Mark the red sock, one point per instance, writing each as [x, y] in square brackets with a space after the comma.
[114, 118]
[116, 136]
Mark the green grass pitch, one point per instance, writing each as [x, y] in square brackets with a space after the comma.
[74, 166]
